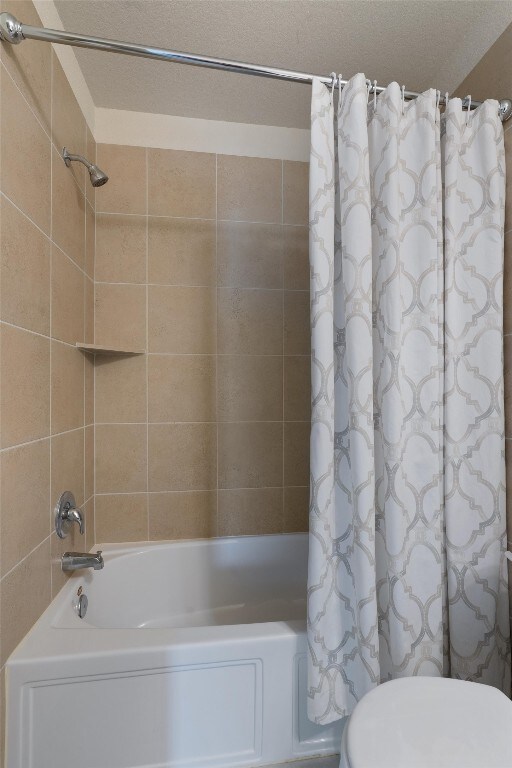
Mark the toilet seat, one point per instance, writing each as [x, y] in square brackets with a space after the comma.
[429, 722]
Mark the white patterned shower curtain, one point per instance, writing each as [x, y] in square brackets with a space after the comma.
[407, 574]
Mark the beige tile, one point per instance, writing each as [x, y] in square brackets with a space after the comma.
[88, 310]
[90, 539]
[90, 239]
[181, 183]
[25, 594]
[24, 157]
[181, 251]
[88, 462]
[296, 510]
[121, 518]
[297, 388]
[248, 189]
[120, 248]
[181, 320]
[182, 457]
[250, 388]
[296, 258]
[25, 386]
[185, 515]
[57, 549]
[68, 468]
[68, 212]
[90, 191]
[88, 389]
[67, 298]
[24, 271]
[250, 511]
[250, 455]
[297, 334]
[296, 453]
[25, 505]
[67, 388]
[507, 350]
[68, 122]
[121, 458]
[125, 191]
[120, 388]
[295, 192]
[250, 322]
[249, 255]
[29, 65]
[181, 388]
[120, 316]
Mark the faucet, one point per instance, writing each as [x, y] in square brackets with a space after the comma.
[67, 513]
[74, 561]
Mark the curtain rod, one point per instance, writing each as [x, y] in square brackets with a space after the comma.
[14, 31]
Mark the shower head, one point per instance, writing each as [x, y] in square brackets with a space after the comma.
[97, 176]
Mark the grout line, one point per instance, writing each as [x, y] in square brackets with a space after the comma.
[203, 218]
[204, 285]
[38, 440]
[199, 490]
[34, 113]
[217, 343]
[147, 341]
[184, 423]
[46, 538]
[283, 223]
[282, 350]
[48, 237]
[51, 314]
[83, 356]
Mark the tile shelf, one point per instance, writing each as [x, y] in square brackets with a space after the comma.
[101, 349]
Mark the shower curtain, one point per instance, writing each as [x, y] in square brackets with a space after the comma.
[407, 574]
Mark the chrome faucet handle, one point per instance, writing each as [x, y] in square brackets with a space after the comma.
[67, 513]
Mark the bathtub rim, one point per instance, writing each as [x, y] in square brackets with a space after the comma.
[45, 640]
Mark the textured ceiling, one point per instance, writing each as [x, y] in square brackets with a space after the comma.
[433, 43]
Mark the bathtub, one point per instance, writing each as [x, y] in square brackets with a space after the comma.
[190, 654]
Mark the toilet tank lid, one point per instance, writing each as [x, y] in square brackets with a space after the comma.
[428, 721]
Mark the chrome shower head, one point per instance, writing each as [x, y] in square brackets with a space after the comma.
[97, 176]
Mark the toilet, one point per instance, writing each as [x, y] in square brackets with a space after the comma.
[429, 722]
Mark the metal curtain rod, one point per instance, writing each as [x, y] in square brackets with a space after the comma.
[13, 31]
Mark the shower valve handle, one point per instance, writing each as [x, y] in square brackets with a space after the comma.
[67, 513]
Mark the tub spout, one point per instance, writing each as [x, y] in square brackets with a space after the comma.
[74, 561]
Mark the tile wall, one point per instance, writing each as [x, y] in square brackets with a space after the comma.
[46, 305]
[205, 259]
[492, 78]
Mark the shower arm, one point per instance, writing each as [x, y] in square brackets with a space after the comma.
[69, 158]
[14, 31]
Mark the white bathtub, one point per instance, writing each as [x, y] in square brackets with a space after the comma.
[191, 654]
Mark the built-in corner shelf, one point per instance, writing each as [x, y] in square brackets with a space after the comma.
[100, 349]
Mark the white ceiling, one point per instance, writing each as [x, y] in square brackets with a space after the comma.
[428, 43]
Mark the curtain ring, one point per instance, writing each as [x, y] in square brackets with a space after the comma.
[368, 89]
[340, 87]
[403, 99]
[375, 94]
[438, 102]
[333, 76]
[469, 108]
